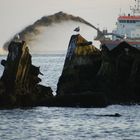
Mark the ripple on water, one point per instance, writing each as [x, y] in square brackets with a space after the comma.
[43, 123]
[69, 123]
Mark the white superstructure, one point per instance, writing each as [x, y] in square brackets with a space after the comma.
[128, 26]
[128, 29]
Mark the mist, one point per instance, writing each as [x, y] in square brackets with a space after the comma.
[51, 34]
[55, 39]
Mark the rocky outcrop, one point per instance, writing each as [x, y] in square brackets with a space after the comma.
[100, 77]
[20, 82]
[90, 77]
[119, 73]
[82, 63]
[78, 79]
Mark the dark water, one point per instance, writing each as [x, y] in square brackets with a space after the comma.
[43, 123]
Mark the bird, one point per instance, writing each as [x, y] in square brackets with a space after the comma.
[17, 37]
[77, 29]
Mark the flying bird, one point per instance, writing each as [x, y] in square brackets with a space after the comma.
[77, 29]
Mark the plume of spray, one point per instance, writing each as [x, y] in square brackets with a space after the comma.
[30, 32]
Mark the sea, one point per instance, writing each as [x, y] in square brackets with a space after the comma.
[53, 123]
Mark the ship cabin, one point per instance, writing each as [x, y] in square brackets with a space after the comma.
[128, 26]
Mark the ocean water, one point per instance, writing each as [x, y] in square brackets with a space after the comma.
[50, 123]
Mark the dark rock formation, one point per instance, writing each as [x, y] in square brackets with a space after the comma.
[78, 79]
[82, 63]
[90, 77]
[100, 77]
[19, 82]
[119, 73]
[110, 115]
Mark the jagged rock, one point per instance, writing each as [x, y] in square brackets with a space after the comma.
[90, 77]
[77, 84]
[119, 73]
[20, 82]
[82, 63]
[102, 76]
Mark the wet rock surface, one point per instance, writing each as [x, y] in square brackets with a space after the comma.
[90, 77]
[19, 84]
[81, 66]
[103, 76]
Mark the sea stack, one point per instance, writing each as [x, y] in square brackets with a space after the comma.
[93, 77]
[20, 82]
[119, 74]
[78, 80]
[82, 63]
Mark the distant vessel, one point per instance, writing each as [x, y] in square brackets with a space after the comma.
[128, 29]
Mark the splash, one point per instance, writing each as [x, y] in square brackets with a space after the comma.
[30, 32]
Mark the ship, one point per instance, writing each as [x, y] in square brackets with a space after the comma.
[127, 29]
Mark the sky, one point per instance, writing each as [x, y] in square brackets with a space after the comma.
[17, 14]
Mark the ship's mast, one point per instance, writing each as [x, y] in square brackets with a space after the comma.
[136, 8]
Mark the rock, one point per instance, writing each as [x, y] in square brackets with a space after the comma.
[119, 73]
[77, 84]
[110, 115]
[20, 82]
[88, 99]
[82, 63]
[90, 77]
[109, 76]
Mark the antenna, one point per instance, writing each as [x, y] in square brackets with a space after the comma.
[120, 11]
[136, 8]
